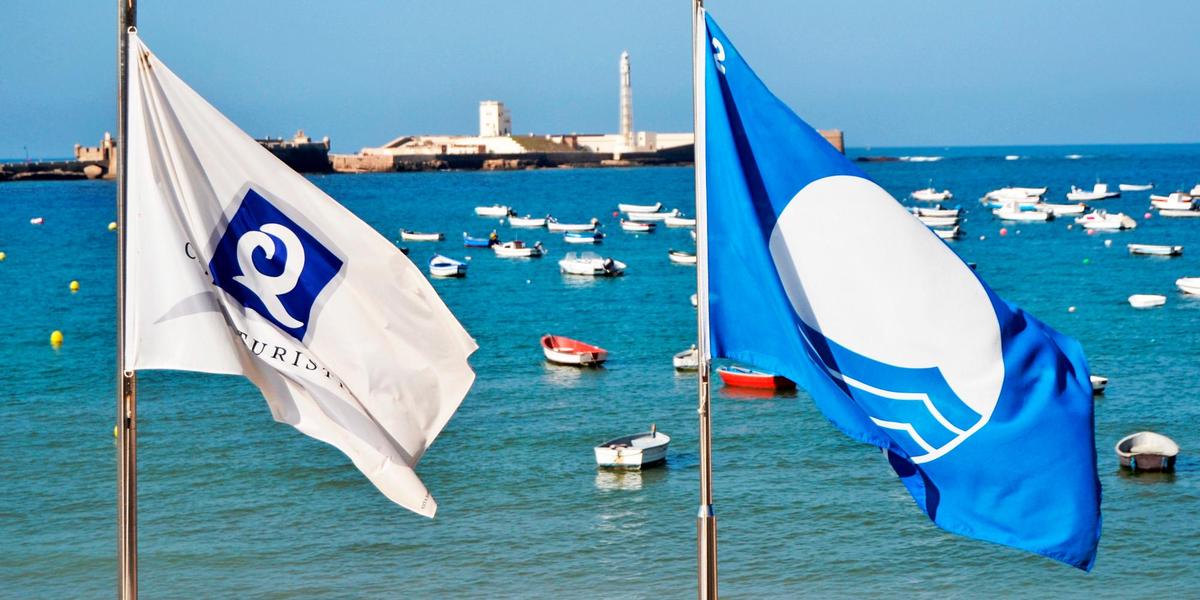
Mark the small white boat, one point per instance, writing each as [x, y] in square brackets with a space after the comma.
[1012, 212]
[1173, 201]
[637, 451]
[526, 222]
[416, 236]
[1106, 221]
[494, 210]
[583, 237]
[640, 208]
[949, 234]
[679, 222]
[1012, 157]
[1166, 212]
[1147, 300]
[37, 221]
[518, 249]
[939, 221]
[1061, 210]
[936, 211]
[1098, 384]
[688, 360]
[1098, 192]
[1147, 451]
[1135, 187]
[931, 195]
[1189, 285]
[553, 225]
[1017, 194]
[652, 216]
[682, 258]
[1154, 250]
[635, 227]
[444, 266]
[591, 264]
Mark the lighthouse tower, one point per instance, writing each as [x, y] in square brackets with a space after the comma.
[626, 103]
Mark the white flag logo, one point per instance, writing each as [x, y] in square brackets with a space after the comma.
[228, 272]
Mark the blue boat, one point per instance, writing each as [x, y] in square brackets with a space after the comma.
[488, 242]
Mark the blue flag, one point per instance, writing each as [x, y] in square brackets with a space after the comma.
[984, 412]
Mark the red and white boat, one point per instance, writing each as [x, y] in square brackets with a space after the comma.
[749, 378]
[566, 351]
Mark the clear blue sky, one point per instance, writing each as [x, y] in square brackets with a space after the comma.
[938, 72]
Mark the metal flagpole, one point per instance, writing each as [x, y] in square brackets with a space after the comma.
[706, 520]
[126, 380]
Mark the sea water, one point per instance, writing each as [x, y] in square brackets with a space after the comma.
[235, 505]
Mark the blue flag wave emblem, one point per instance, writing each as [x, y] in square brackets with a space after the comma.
[985, 412]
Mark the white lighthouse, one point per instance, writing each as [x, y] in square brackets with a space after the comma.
[626, 104]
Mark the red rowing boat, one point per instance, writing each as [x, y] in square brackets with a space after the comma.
[748, 378]
[566, 351]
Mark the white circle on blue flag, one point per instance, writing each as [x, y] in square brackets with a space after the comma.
[873, 280]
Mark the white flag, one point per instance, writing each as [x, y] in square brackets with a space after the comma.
[238, 265]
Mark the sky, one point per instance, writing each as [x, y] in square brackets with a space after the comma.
[930, 73]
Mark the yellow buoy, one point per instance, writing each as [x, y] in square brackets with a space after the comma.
[74, 286]
[3, 256]
[56, 338]
[112, 226]
[115, 430]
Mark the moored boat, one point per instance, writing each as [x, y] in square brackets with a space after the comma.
[939, 221]
[952, 233]
[681, 257]
[518, 249]
[636, 227]
[1154, 250]
[1173, 201]
[637, 451]
[526, 222]
[1011, 212]
[590, 264]
[639, 208]
[1147, 300]
[1103, 220]
[1098, 192]
[1166, 212]
[688, 360]
[935, 211]
[583, 237]
[1147, 451]
[566, 351]
[494, 210]
[444, 266]
[1135, 187]
[1061, 210]
[1016, 194]
[553, 225]
[1189, 285]
[749, 378]
[652, 216]
[474, 242]
[1099, 383]
[417, 236]
[679, 222]
[931, 195]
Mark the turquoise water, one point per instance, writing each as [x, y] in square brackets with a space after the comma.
[235, 505]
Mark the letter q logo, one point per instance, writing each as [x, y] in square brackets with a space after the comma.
[272, 265]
